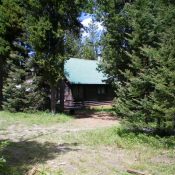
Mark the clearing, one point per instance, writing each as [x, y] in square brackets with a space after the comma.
[92, 144]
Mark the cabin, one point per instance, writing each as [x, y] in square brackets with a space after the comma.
[84, 85]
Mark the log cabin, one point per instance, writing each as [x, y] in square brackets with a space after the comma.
[84, 85]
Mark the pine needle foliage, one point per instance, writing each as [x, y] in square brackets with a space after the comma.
[48, 23]
[139, 59]
[14, 89]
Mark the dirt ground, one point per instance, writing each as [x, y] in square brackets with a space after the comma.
[34, 143]
[45, 148]
[82, 122]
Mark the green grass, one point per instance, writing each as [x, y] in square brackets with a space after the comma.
[121, 138]
[39, 118]
[148, 153]
[154, 154]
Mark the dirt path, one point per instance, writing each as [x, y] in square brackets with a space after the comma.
[31, 144]
[82, 122]
[38, 143]
[59, 149]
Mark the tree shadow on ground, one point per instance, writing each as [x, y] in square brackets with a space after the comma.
[98, 114]
[21, 156]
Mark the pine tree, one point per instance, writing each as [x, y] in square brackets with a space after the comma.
[115, 21]
[23, 89]
[85, 47]
[133, 100]
[139, 59]
[48, 22]
[164, 76]
[87, 50]
[139, 99]
[35, 94]
[11, 21]
[14, 89]
[89, 47]
[37, 91]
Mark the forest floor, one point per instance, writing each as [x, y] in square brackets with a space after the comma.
[90, 144]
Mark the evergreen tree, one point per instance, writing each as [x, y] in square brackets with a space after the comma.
[114, 43]
[90, 44]
[73, 45]
[36, 91]
[87, 50]
[11, 21]
[14, 89]
[139, 59]
[164, 76]
[23, 89]
[48, 22]
[35, 94]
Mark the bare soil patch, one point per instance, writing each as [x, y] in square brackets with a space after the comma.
[91, 120]
[20, 132]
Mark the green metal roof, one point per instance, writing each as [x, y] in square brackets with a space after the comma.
[81, 71]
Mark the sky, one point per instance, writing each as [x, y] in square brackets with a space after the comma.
[86, 19]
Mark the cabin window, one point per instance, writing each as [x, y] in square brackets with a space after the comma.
[101, 90]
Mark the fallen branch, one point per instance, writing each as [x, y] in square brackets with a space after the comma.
[131, 171]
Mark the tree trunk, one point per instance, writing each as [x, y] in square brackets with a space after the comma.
[1, 86]
[158, 123]
[62, 96]
[174, 121]
[53, 99]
